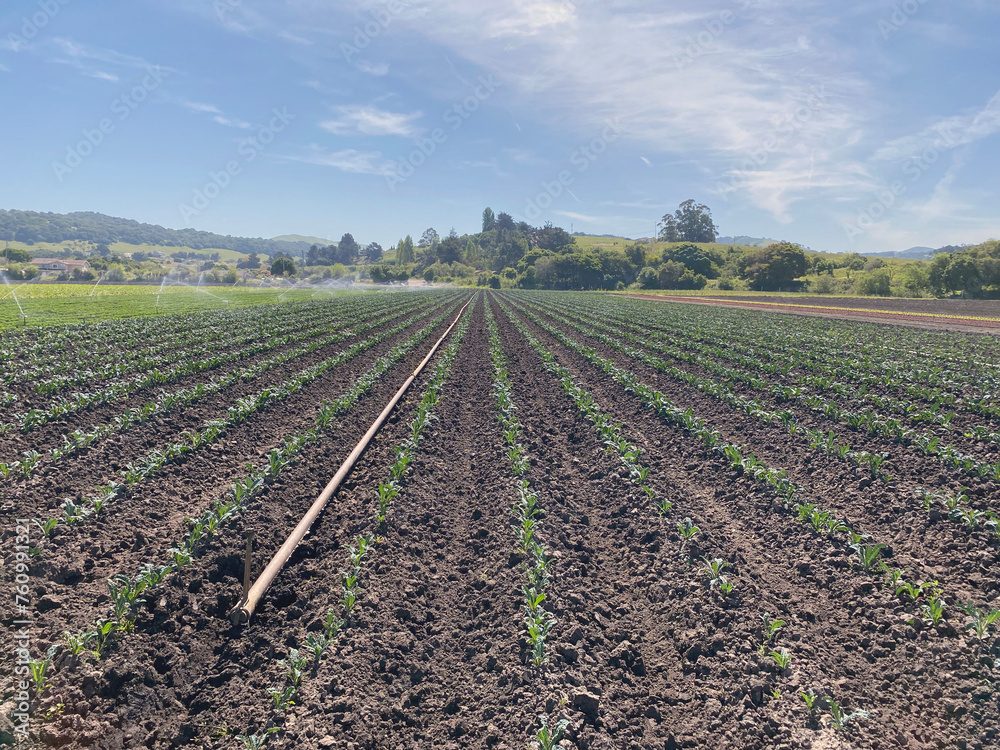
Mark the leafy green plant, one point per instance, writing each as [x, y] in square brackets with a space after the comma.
[29, 462]
[281, 698]
[548, 737]
[295, 667]
[332, 625]
[103, 635]
[934, 609]
[841, 719]
[39, 669]
[47, 525]
[714, 570]
[688, 531]
[813, 702]
[317, 644]
[869, 556]
[915, 591]
[257, 741]
[78, 642]
[771, 628]
[782, 658]
[982, 619]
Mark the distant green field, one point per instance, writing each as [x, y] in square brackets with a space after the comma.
[39, 249]
[66, 304]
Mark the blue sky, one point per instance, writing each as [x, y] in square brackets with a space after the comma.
[842, 125]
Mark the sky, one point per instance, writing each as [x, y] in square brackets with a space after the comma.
[844, 125]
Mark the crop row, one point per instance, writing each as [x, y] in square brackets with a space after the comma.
[93, 351]
[338, 622]
[117, 366]
[787, 349]
[716, 570]
[128, 594]
[866, 554]
[62, 407]
[153, 462]
[176, 401]
[864, 420]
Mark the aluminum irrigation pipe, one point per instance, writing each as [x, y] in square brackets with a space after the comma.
[243, 611]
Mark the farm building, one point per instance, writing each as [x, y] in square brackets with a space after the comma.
[60, 265]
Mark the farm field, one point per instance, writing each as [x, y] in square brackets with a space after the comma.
[969, 316]
[48, 304]
[592, 522]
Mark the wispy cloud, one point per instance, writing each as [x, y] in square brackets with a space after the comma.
[524, 156]
[372, 69]
[586, 218]
[347, 160]
[358, 119]
[946, 133]
[232, 123]
[4, 68]
[199, 107]
[289, 36]
[102, 75]
[218, 116]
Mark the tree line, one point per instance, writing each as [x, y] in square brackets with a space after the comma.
[31, 227]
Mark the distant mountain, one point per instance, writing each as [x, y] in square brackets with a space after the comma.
[303, 238]
[919, 252]
[744, 240]
[30, 227]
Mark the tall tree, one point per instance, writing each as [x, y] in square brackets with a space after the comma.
[428, 238]
[405, 252]
[471, 252]
[556, 239]
[489, 220]
[373, 253]
[691, 222]
[283, 266]
[450, 250]
[348, 249]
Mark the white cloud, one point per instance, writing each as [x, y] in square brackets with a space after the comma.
[945, 134]
[199, 107]
[583, 217]
[372, 69]
[104, 76]
[646, 161]
[348, 160]
[358, 119]
[4, 68]
[288, 36]
[218, 116]
[232, 123]
[524, 156]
